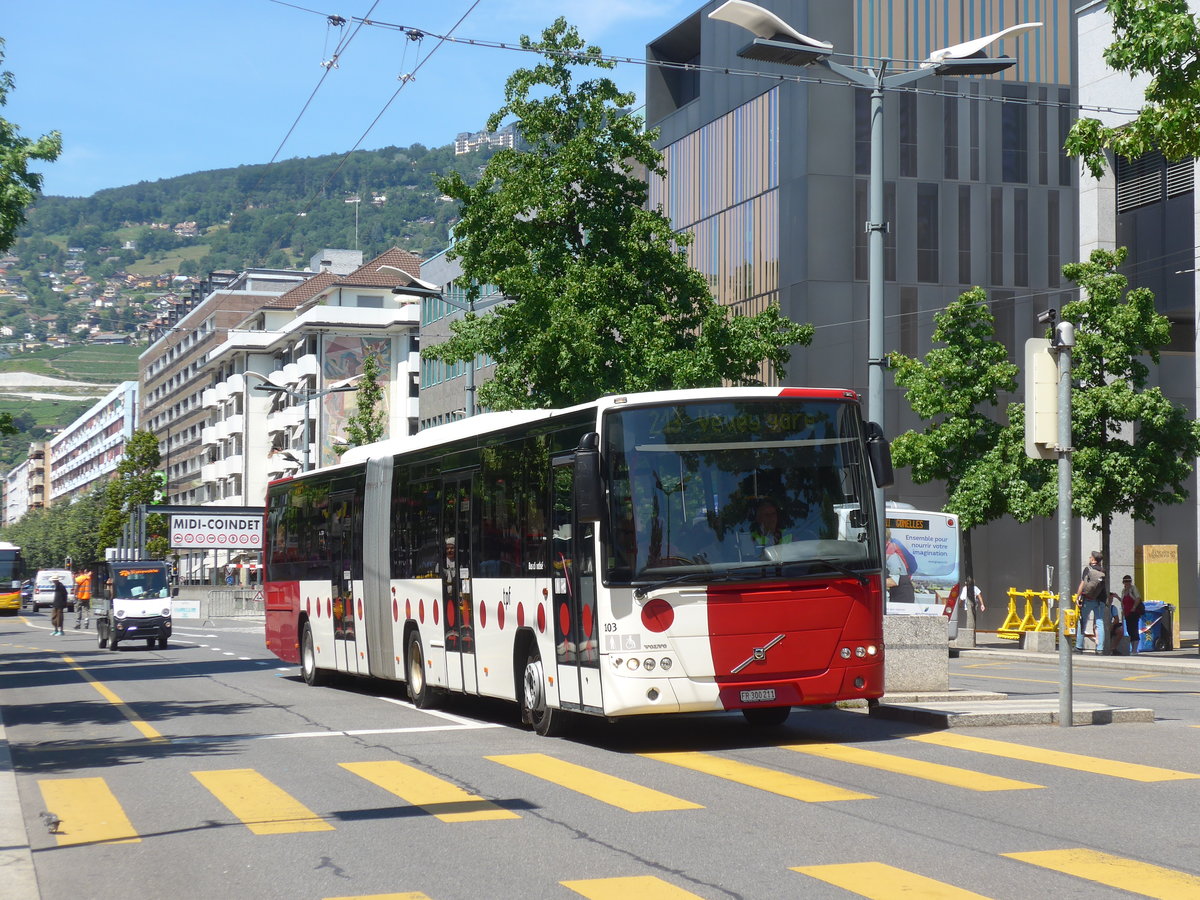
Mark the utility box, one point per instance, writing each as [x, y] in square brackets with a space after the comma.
[1041, 400]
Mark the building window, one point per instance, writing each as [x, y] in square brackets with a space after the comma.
[950, 139]
[1053, 240]
[927, 233]
[862, 132]
[908, 134]
[1021, 237]
[996, 237]
[1014, 134]
[964, 234]
[908, 321]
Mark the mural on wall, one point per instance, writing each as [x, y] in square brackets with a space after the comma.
[342, 359]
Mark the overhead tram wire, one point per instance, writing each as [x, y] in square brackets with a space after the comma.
[405, 79]
[327, 65]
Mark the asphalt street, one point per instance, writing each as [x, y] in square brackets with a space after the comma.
[212, 767]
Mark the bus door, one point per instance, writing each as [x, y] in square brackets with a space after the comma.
[345, 523]
[573, 571]
[458, 604]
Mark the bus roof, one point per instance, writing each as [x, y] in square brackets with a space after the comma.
[485, 423]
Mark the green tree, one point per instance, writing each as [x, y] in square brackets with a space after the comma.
[1134, 447]
[48, 537]
[956, 389]
[19, 186]
[1159, 39]
[368, 423]
[602, 297]
[134, 484]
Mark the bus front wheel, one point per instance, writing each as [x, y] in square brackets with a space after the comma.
[535, 711]
[767, 717]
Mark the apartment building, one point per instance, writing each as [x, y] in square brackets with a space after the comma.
[86, 453]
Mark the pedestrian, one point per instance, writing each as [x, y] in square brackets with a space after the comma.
[969, 588]
[58, 605]
[1092, 598]
[1132, 606]
[83, 599]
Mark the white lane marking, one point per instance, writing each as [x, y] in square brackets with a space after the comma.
[212, 739]
[449, 717]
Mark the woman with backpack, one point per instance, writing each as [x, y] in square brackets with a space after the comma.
[1092, 595]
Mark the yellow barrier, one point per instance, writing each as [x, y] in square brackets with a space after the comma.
[1011, 629]
[1014, 625]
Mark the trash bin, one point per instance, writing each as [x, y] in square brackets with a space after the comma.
[1154, 627]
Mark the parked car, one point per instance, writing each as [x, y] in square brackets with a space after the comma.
[43, 587]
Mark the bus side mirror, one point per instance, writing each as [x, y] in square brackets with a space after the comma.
[588, 491]
[879, 451]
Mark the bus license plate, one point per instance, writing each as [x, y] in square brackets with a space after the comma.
[758, 696]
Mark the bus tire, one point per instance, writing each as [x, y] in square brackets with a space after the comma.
[101, 636]
[313, 676]
[535, 711]
[419, 691]
[767, 716]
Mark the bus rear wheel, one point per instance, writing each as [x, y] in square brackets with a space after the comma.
[535, 711]
[419, 692]
[308, 660]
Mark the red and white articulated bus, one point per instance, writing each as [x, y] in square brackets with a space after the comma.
[616, 558]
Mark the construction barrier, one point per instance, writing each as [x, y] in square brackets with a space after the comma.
[1015, 625]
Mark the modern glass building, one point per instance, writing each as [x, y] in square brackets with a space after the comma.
[766, 167]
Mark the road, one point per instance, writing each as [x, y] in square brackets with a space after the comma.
[209, 768]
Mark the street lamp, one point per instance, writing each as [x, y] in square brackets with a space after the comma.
[307, 395]
[776, 41]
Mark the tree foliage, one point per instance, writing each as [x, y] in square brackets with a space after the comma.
[19, 186]
[48, 537]
[368, 423]
[602, 297]
[134, 484]
[1119, 469]
[979, 457]
[1159, 39]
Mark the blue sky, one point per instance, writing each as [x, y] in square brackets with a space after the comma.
[149, 89]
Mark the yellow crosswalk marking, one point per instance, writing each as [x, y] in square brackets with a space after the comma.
[916, 768]
[147, 731]
[260, 805]
[884, 882]
[643, 887]
[1117, 872]
[88, 810]
[1098, 765]
[606, 788]
[783, 783]
[436, 796]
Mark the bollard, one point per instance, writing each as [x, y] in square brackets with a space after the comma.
[1010, 630]
[1045, 623]
[1028, 622]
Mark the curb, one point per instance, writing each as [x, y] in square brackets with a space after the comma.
[17, 875]
[1142, 662]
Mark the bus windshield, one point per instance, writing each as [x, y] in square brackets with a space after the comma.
[737, 489]
[141, 582]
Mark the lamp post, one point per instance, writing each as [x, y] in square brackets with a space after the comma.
[776, 41]
[307, 395]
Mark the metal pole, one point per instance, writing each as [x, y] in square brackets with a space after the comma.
[876, 227]
[307, 429]
[1065, 705]
[471, 371]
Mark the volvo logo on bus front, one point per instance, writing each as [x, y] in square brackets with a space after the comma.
[759, 654]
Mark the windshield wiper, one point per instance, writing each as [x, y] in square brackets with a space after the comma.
[845, 570]
[707, 575]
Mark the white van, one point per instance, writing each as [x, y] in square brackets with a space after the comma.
[43, 587]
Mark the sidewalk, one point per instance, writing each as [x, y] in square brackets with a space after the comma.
[956, 709]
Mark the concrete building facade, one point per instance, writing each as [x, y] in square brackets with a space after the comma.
[769, 175]
[1148, 206]
[86, 453]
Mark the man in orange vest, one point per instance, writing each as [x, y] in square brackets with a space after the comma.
[83, 598]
